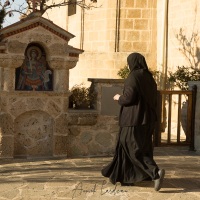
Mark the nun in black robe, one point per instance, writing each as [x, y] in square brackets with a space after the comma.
[133, 160]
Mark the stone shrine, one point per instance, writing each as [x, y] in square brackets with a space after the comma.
[35, 59]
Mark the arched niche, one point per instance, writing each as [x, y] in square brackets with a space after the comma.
[33, 135]
[34, 74]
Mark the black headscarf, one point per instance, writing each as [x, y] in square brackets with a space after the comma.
[136, 61]
[142, 77]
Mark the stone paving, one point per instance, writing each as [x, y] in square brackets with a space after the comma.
[80, 178]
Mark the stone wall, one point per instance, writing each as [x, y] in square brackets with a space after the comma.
[30, 124]
[91, 134]
[122, 29]
[94, 132]
[117, 27]
[138, 27]
[181, 15]
[108, 33]
[33, 122]
[37, 124]
[186, 19]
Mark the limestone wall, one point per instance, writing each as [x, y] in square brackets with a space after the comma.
[37, 126]
[30, 124]
[126, 26]
[33, 123]
[91, 134]
[95, 132]
[108, 33]
[182, 14]
[97, 65]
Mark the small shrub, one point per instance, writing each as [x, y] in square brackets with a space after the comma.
[124, 72]
[182, 75]
[82, 96]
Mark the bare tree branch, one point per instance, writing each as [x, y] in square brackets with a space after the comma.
[40, 6]
[189, 47]
[43, 7]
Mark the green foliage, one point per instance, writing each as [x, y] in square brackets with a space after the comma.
[182, 75]
[189, 48]
[81, 95]
[123, 72]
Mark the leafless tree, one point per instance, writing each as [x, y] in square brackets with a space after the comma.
[39, 6]
[189, 47]
[43, 5]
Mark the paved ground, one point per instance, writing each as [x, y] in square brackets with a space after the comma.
[81, 179]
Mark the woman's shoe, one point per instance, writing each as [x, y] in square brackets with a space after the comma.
[158, 182]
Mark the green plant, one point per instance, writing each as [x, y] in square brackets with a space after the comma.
[82, 96]
[182, 75]
[124, 72]
[189, 48]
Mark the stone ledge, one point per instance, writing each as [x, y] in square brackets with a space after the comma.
[104, 80]
[34, 94]
[82, 111]
[83, 117]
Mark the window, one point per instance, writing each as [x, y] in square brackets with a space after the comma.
[72, 8]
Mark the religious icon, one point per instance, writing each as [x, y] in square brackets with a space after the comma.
[34, 72]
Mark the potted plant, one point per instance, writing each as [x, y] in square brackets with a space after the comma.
[82, 97]
[183, 75]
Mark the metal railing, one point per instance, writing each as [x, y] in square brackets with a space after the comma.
[170, 106]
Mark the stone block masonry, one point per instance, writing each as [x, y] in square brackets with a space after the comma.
[33, 107]
[91, 134]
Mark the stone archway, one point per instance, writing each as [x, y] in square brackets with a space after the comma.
[33, 135]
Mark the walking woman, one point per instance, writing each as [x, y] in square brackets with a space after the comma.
[133, 160]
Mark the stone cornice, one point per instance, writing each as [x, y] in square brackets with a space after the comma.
[30, 23]
[34, 94]
[105, 80]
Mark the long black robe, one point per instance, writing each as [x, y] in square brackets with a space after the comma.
[133, 160]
